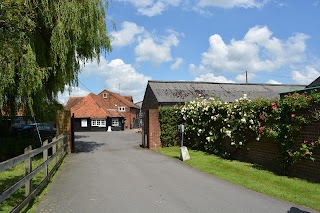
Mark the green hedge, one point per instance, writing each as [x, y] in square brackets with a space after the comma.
[169, 119]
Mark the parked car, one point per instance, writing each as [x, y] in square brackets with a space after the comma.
[30, 131]
[17, 125]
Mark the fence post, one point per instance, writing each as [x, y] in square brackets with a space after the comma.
[28, 170]
[54, 150]
[45, 158]
[64, 126]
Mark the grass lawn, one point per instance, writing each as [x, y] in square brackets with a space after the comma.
[11, 176]
[244, 174]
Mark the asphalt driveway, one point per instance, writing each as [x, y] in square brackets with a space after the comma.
[110, 173]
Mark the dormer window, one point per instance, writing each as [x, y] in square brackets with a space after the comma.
[122, 109]
[105, 95]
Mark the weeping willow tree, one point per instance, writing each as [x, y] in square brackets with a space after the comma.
[41, 45]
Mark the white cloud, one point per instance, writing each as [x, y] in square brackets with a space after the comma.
[157, 7]
[176, 65]
[74, 92]
[231, 3]
[127, 35]
[259, 50]
[152, 8]
[148, 46]
[156, 52]
[210, 77]
[241, 78]
[115, 72]
[305, 76]
[273, 82]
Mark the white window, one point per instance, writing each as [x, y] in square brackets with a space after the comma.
[105, 95]
[98, 122]
[122, 109]
[115, 121]
[84, 123]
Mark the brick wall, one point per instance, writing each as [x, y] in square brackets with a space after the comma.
[154, 141]
[129, 113]
[265, 152]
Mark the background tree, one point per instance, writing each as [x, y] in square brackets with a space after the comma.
[41, 45]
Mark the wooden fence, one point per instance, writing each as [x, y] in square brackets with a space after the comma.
[59, 150]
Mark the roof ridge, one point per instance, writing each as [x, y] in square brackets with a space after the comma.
[209, 82]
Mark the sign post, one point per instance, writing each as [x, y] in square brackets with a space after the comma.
[184, 154]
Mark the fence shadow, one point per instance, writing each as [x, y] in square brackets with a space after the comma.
[87, 146]
[80, 136]
[296, 210]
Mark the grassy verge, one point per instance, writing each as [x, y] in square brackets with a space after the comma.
[11, 176]
[244, 174]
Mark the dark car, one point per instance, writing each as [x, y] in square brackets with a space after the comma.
[17, 125]
[31, 131]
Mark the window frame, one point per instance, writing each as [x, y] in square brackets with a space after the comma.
[98, 123]
[121, 108]
[115, 122]
[84, 122]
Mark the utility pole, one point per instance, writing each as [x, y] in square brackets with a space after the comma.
[246, 76]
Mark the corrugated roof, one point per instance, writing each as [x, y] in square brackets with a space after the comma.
[183, 91]
[314, 83]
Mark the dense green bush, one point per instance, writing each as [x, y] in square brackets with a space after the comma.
[170, 118]
[209, 123]
[285, 123]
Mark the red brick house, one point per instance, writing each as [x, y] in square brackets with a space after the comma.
[102, 111]
[123, 104]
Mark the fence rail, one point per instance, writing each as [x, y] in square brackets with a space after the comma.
[59, 147]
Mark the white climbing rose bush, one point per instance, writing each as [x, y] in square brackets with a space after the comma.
[209, 122]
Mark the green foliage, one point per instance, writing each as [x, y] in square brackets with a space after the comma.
[285, 122]
[42, 43]
[243, 120]
[205, 125]
[210, 123]
[169, 119]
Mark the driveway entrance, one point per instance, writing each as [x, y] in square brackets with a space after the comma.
[110, 173]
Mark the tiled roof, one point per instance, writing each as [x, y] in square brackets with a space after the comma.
[129, 98]
[72, 102]
[122, 99]
[93, 106]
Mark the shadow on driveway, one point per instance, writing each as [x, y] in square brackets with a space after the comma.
[87, 146]
[296, 210]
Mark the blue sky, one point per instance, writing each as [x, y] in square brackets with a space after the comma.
[205, 40]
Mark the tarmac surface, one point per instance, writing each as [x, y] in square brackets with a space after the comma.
[111, 173]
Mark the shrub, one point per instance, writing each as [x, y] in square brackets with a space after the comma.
[169, 118]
